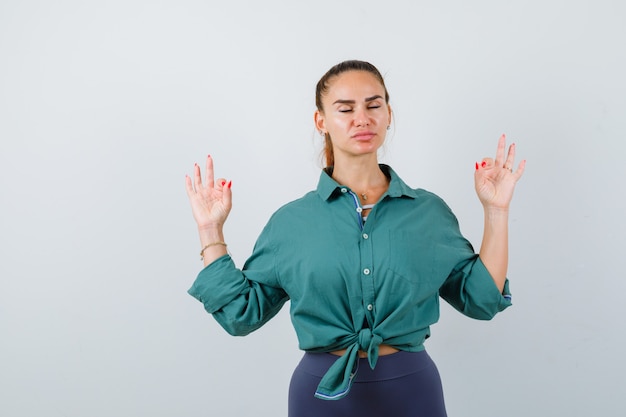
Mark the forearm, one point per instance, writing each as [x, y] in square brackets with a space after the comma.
[494, 251]
[214, 237]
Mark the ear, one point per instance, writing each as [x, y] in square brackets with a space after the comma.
[390, 113]
[320, 122]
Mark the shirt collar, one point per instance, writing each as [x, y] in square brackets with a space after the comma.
[328, 188]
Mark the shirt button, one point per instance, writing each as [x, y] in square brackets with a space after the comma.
[370, 307]
[359, 209]
[344, 190]
[366, 271]
[365, 236]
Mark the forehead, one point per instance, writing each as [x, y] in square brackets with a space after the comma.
[354, 85]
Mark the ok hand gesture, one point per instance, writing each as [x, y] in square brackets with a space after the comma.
[495, 180]
[211, 201]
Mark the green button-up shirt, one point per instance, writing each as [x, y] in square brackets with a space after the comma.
[352, 284]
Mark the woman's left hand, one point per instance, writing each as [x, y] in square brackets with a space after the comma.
[495, 180]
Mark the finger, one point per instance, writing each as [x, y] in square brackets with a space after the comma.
[500, 150]
[197, 176]
[520, 170]
[209, 171]
[220, 183]
[510, 158]
[228, 194]
[486, 163]
[188, 186]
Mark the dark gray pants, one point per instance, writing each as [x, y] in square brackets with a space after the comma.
[403, 384]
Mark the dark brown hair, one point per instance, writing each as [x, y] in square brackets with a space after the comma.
[324, 83]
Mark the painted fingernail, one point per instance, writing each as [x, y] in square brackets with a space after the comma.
[484, 164]
[476, 166]
[223, 183]
[230, 184]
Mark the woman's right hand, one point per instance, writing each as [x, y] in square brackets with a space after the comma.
[210, 200]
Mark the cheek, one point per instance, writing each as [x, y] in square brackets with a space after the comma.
[341, 122]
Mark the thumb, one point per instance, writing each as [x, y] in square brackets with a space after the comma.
[228, 194]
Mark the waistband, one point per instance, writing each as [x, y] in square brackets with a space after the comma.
[392, 366]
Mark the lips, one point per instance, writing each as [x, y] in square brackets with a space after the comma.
[363, 135]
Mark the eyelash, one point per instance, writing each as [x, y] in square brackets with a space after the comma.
[349, 110]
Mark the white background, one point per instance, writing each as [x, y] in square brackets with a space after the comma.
[105, 106]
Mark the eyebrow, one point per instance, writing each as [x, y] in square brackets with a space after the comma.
[340, 101]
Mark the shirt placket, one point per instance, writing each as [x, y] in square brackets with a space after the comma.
[366, 259]
[367, 273]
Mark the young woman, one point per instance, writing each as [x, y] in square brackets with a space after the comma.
[363, 259]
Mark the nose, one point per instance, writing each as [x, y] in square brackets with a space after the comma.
[360, 117]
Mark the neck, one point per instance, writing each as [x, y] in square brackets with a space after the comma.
[364, 177]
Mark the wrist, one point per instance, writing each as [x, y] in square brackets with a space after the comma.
[210, 228]
[209, 234]
[493, 211]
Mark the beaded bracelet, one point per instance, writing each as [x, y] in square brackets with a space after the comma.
[208, 246]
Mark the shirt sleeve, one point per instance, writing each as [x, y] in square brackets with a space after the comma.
[469, 287]
[242, 300]
[471, 290]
